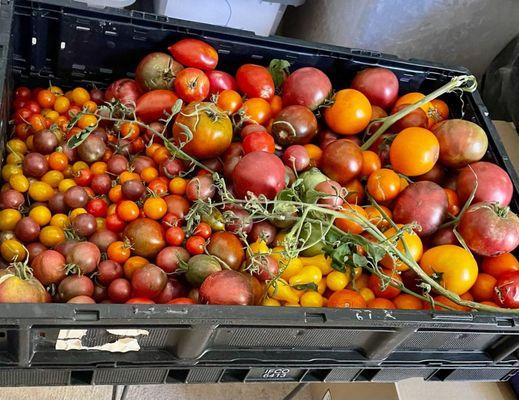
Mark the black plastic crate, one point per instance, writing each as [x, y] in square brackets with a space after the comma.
[69, 43]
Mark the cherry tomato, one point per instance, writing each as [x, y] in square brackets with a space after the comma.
[438, 112]
[453, 202]
[382, 303]
[114, 223]
[383, 184]
[33, 107]
[191, 84]
[203, 230]
[158, 187]
[62, 104]
[347, 225]
[257, 110]
[406, 301]
[37, 122]
[129, 130]
[174, 236]
[178, 185]
[149, 173]
[155, 207]
[46, 98]
[370, 163]
[22, 92]
[195, 245]
[255, 81]
[259, 141]
[83, 177]
[127, 210]
[194, 53]
[276, 104]
[97, 207]
[80, 96]
[499, 265]
[22, 115]
[229, 100]
[115, 194]
[118, 251]
[484, 287]
[349, 114]
[181, 300]
[388, 292]
[346, 298]
[412, 243]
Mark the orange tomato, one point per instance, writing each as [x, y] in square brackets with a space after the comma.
[414, 244]
[152, 148]
[37, 122]
[149, 173]
[349, 114]
[383, 184]
[314, 152]
[453, 202]
[46, 98]
[346, 298]
[498, 265]
[347, 225]
[370, 163]
[376, 217]
[118, 251]
[62, 104]
[355, 192]
[58, 161]
[438, 112]
[381, 289]
[129, 131]
[411, 98]
[127, 210]
[178, 185]
[80, 96]
[90, 106]
[86, 121]
[126, 176]
[406, 301]
[276, 104]
[258, 110]
[414, 151]
[132, 264]
[229, 100]
[115, 194]
[445, 301]
[97, 168]
[382, 303]
[483, 288]
[160, 155]
[155, 207]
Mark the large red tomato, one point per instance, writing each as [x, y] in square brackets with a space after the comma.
[154, 105]
[194, 53]
[210, 130]
[255, 81]
[192, 84]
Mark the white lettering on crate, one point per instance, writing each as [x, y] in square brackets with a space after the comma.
[70, 339]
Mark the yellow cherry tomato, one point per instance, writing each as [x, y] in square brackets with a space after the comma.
[177, 185]
[16, 146]
[12, 250]
[41, 215]
[268, 302]
[259, 247]
[60, 220]
[9, 218]
[86, 121]
[79, 96]
[19, 182]
[40, 191]
[78, 166]
[76, 211]
[337, 280]
[320, 261]
[66, 184]
[288, 304]
[53, 178]
[311, 299]
[367, 294]
[155, 207]
[51, 236]
[14, 158]
[321, 286]
[308, 275]
[62, 104]
[52, 115]
[10, 169]
[281, 290]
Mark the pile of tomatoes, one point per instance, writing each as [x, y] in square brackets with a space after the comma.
[113, 219]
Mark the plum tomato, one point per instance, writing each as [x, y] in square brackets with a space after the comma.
[194, 53]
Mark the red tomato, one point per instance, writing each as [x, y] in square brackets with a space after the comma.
[140, 300]
[22, 115]
[174, 236]
[33, 107]
[191, 84]
[194, 53]
[202, 229]
[114, 223]
[507, 290]
[195, 245]
[255, 81]
[220, 81]
[259, 141]
[83, 177]
[154, 105]
[23, 92]
[97, 207]
[181, 300]
[389, 292]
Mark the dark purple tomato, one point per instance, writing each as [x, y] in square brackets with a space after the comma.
[294, 125]
[35, 165]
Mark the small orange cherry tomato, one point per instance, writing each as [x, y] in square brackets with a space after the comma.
[149, 173]
[37, 122]
[411, 98]
[453, 202]
[355, 191]
[160, 155]
[346, 298]
[130, 131]
[229, 100]
[128, 176]
[257, 109]
[406, 301]
[80, 96]
[382, 303]
[376, 217]
[350, 113]
[314, 152]
[118, 251]
[115, 194]
[414, 151]
[46, 98]
[90, 106]
[383, 184]
[438, 112]
[276, 104]
[412, 242]
[178, 185]
[158, 186]
[155, 207]
[484, 287]
[370, 163]
[351, 211]
[152, 148]
[86, 121]
[62, 104]
[127, 210]
[58, 161]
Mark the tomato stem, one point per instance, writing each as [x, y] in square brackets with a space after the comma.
[465, 83]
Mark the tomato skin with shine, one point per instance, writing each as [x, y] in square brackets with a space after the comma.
[457, 267]
[350, 112]
[153, 105]
[259, 141]
[414, 151]
[191, 84]
[507, 290]
[346, 298]
[255, 81]
[194, 53]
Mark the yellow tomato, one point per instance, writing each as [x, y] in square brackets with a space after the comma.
[16, 146]
[259, 247]
[337, 280]
[78, 166]
[41, 215]
[311, 299]
[14, 158]
[19, 182]
[51, 236]
[40, 191]
[66, 184]
[268, 302]
[9, 218]
[413, 243]
[10, 169]
[12, 250]
[53, 178]
[75, 212]
[367, 294]
[59, 220]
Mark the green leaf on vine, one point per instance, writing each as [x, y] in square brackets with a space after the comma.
[306, 286]
[76, 140]
[279, 71]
